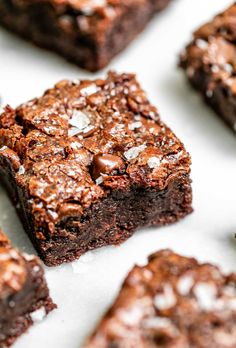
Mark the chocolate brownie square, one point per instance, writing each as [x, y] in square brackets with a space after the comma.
[210, 64]
[87, 32]
[24, 296]
[172, 302]
[88, 163]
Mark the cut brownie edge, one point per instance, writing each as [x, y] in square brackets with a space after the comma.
[109, 222]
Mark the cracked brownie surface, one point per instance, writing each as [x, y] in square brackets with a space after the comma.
[88, 163]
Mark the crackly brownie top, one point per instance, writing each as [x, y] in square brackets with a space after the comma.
[172, 302]
[13, 270]
[70, 147]
[213, 50]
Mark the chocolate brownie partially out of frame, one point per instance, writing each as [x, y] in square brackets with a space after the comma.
[87, 32]
[172, 302]
[24, 296]
[210, 64]
[88, 163]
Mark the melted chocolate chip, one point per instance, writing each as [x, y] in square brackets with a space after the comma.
[106, 164]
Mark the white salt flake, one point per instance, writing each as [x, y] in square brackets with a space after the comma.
[79, 120]
[202, 44]
[88, 129]
[229, 68]
[28, 257]
[73, 131]
[36, 269]
[21, 170]
[215, 68]
[165, 300]
[89, 90]
[156, 322]
[135, 125]
[75, 145]
[209, 93]
[131, 317]
[185, 284]
[153, 162]
[99, 180]
[206, 295]
[53, 214]
[134, 152]
[38, 315]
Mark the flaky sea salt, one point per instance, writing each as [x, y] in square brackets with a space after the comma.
[21, 170]
[79, 120]
[202, 44]
[38, 315]
[153, 162]
[53, 214]
[206, 295]
[133, 152]
[209, 93]
[185, 284]
[89, 90]
[99, 180]
[135, 125]
[156, 322]
[166, 299]
[229, 68]
[28, 257]
[73, 131]
[75, 145]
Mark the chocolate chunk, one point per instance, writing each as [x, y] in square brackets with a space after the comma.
[106, 164]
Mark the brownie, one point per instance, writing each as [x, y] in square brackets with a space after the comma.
[24, 296]
[88, 163]
[87, 32]
[210, 64]
[172, 302]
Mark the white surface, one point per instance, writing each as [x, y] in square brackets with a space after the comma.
[83, 295]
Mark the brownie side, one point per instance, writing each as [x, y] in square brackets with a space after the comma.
[89, 33]
[24, 296]
[172, 302]
[210, 64]
[90, 162]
